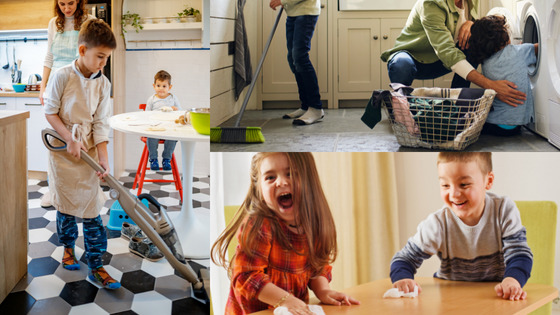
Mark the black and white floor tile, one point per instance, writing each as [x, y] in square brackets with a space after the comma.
[147, 287]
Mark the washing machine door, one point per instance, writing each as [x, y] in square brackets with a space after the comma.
[530, 30]
[553, 46]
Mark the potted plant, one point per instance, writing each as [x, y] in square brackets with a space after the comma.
[132, 19]
[189, 14]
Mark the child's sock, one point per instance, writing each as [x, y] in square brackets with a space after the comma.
[101, 276]
[69, 260]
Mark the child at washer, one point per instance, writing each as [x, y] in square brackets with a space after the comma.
[490, 45]
[477, 235]
[165, 101]
[77, 105]
[287, 239]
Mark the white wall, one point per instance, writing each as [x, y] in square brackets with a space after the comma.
[190, 77]
[521, 176]
[222, 23]
[32, 55]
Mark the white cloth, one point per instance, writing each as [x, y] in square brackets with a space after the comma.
[394, 293]
[316, 309]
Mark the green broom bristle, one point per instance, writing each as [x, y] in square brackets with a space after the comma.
[236, 134]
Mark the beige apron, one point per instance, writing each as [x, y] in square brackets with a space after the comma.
[73, 183]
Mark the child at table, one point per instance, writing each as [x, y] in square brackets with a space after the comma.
[490, 45]
[477, 235]
[77, 105]
[287, 239]
[161, 100]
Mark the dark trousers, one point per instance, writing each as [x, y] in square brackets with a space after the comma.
[95, 239]
[299, 31]
[405, 69]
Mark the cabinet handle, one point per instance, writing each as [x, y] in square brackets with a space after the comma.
[375, 37]
[31, 104]
[385, 36]
[3, 104]
[322, 6]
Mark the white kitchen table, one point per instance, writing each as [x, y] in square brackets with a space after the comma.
[194, 236]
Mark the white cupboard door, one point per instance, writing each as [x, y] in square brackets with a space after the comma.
[358, 55]
[7, 103]
[36, 150]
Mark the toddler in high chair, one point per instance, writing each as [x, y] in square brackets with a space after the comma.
[477, 235]
[164, 101]
[287, 239]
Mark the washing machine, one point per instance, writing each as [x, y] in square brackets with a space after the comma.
[531, 28]
[553, 53]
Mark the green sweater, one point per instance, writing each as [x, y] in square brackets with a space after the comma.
[302, 7]
[428, 33]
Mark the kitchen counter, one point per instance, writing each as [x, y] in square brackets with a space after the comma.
[22, 94]
[13, 185]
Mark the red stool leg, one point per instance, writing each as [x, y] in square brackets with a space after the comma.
[144, 162]
[137, 176]
[176, 176]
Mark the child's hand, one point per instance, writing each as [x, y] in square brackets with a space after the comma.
[335, 298]
[275, 3]
[510, 289]
[407, 285]
[105, 165]
[74, 148]
[174, 107]
[296, 306]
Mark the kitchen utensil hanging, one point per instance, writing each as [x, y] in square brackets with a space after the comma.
[7, 65]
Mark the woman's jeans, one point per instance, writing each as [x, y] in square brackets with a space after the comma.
[405, 69]
[299, 31]
[168, 148]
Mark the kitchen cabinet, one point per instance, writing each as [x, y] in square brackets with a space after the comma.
[278, 82]
[25, 15]
[36, 151]
[13, 185]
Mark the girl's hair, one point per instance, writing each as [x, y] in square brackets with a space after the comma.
[483, 159]
[488, 36]
[314, 216]
[80, 16]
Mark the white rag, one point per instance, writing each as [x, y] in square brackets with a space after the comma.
[316, 309]
[394, 293]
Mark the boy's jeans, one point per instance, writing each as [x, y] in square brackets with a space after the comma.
[299, 31]
[95, 238]
[168, 148]
[405, 69]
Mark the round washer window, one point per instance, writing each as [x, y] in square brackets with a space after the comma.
[532, 34]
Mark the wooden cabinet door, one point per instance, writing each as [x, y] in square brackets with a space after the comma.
[358, 55]
[276, 74]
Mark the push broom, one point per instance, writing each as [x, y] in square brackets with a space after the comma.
[237, 134]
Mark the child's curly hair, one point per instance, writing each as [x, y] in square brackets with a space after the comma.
[488, 36]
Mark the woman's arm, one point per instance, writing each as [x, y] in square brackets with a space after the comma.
[47, 65]
[506, 90]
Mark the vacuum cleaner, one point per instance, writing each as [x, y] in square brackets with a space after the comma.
[153, 221]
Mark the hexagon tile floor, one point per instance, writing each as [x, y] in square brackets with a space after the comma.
[147, 287]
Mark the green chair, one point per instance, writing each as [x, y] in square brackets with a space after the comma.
[539, 218]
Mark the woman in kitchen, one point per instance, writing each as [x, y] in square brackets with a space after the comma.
[62, 47]
[435, 42]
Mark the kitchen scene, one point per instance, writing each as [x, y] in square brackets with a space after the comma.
[153, 206]
[350, 47]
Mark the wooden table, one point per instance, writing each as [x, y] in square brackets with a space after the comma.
[194, 236]
[441, 297]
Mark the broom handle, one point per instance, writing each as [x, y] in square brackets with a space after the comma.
[265, 50]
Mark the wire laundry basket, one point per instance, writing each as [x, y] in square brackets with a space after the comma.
[438, 122]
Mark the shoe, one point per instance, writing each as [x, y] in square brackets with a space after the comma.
[100, 276]
[144, 248]
[311, 116]
[295, 114]
[154, 165]
[69, 260]
[46, 200]
[166, 164]
[129, 231]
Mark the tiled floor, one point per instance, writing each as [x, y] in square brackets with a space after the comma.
[342, 130]
[147, 287]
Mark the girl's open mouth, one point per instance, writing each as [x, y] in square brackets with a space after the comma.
[285, 201]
